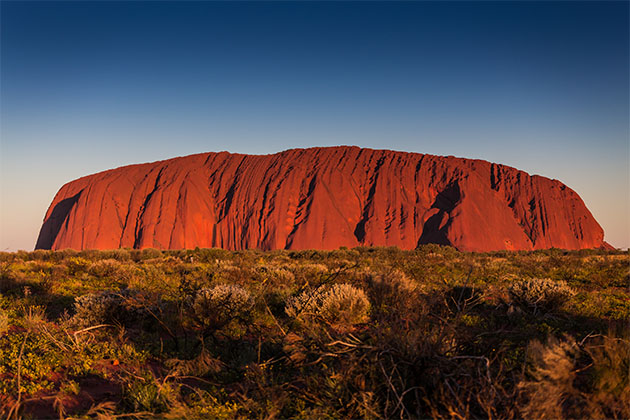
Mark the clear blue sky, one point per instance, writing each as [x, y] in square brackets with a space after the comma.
[89, 86]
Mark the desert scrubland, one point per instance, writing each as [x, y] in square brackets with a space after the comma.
[351, 333]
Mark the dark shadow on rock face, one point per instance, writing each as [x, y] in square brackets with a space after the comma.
[445, 202]
[52, 225]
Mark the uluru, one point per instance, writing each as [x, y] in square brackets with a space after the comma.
[318, 198]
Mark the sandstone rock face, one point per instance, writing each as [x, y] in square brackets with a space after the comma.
[319, 198]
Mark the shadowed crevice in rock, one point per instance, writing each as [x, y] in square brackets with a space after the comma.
[302, 209]
[52, 225]
[435, 229]
[140, 228]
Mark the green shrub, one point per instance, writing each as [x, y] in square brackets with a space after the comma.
[610, 376]
[104, 268]
[77, 265]
[36, 356]
[392, 291]
[278, 276]
[150, 254]
[146, 394]
[10, 279]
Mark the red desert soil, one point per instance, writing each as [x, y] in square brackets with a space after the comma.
[320, 198]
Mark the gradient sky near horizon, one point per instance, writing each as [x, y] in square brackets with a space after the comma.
[89, 86]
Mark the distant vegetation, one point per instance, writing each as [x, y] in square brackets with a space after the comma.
[352, 333]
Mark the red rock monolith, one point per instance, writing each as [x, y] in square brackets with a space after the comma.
[318, 198]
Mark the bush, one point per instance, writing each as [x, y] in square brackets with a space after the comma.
[37, 356]
[216, 307]
[104, 268]
[393, 290]
[276, 275]
[341, 306]
[539, 294]
[552, 373]
[567, 379]
[124, 306]
[610, 377]
[77, 265]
